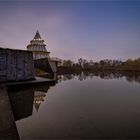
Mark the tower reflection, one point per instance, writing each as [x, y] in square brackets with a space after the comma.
[23, 99]
[17, 103]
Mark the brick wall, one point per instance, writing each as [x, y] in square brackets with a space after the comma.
[16, 65]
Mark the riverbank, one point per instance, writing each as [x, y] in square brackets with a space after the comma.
[122, 69]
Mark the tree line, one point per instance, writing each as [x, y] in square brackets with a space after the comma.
[106, 64]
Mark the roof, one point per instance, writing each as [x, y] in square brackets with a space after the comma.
[37, 35]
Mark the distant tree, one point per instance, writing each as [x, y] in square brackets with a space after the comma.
[91, 63]
[102, 62]
[128, 62]
[67, 63]
[137, 61]
[80, 60]
[85, 63]
[96, 64]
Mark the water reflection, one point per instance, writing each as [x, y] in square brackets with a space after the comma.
[38, 99]
[75, 110]
[21, 102]
[39, 95]
[129, 76]
[91, 109]
[23, 99]
[17, 103]
[8, 128]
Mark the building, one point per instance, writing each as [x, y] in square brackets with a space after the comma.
[41, 56]
[38, 47]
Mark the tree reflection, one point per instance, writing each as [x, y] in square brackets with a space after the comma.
[129, 76]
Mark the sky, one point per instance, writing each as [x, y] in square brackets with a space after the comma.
[89, 29]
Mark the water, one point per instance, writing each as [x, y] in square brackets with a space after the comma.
[79, 106]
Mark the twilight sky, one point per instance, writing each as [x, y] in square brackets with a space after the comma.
[91, 29]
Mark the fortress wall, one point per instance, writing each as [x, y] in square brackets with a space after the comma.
[16, 65]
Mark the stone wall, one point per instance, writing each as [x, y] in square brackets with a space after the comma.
[16, 65]
[46, 65]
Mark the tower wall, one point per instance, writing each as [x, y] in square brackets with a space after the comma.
[41, 56]
[38, 47]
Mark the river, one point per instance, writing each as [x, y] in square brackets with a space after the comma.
[79, 106]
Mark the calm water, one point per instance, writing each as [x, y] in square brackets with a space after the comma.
[82, 106]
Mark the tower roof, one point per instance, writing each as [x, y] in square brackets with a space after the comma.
[37, 35]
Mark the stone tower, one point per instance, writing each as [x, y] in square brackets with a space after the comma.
[38, 47]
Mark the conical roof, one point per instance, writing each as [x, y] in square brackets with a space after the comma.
[37, 35]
